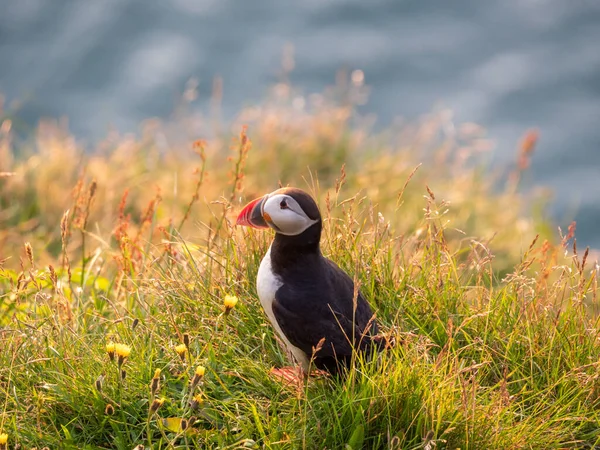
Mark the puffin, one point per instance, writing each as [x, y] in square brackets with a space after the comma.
[308, 299]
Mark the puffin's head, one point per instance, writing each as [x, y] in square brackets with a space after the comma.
[289, 211]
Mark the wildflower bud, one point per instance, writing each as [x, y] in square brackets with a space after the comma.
[198, 375]
[191, 421]
[229, 302]
[93, 187]
[110, 349]
[135, 323]
[98, 383]
[155, 383]
[109, 410]
[196, 401]
[181, 350]
[123, 374]
[3, 441]
[184, 424]
[156, 404]
[122, 351]
[186, 340]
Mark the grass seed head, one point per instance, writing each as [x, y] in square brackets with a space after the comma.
[53, 275]
[29, 252]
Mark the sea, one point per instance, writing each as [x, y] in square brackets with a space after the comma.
[508, 65]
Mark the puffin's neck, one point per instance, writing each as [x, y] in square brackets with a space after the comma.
[287, 251]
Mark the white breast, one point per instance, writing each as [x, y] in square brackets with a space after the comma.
[267, 284]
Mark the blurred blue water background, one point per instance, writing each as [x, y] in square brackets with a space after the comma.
[506, 64]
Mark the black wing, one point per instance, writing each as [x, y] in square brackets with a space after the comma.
[320, 306]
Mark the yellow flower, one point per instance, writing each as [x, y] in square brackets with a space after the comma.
[156, 403]
[200, 371]
[230, 302]
[110, 349]
[156, 373]
[122, 352]
[196, 401]
[181, 350]
[3, 438]
[198, 374]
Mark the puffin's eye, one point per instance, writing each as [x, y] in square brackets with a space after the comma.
[283, 204]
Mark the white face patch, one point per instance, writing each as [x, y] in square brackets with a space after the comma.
[285, 215]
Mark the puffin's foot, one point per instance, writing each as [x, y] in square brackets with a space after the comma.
[295, 376]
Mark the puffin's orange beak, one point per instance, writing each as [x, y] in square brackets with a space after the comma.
[251, 215]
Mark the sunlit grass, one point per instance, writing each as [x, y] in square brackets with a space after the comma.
[131, 319]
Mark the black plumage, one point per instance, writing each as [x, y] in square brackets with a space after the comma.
[316, 298]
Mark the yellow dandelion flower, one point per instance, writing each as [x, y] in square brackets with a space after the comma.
[156, 373]
[110, 349]
[230, 301]
[198, 374]
[181, 350]
[196, 401]
[3, 438]
[122, 351]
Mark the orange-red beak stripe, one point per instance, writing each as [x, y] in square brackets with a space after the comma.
[251, 215]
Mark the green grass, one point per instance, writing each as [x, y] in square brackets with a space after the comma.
[496, 330]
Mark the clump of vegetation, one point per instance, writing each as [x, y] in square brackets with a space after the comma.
[129, 314]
